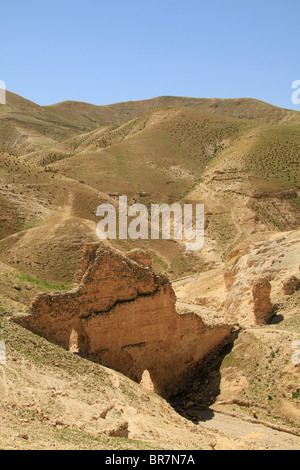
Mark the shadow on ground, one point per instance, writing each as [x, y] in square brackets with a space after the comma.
[202, 388]
[276, 319]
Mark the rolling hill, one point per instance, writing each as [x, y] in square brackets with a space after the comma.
[238, 157]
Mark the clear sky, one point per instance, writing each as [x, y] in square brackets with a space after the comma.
[109, 51]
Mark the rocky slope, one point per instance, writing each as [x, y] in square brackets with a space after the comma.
[123, 315]
[240, 158]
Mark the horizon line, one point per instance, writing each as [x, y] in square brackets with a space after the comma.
[150, 99]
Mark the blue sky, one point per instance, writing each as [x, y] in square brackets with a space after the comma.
[105, 52]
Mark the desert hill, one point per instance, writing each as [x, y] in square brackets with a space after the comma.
[239, 157]
[69, 118]
[244, 171]
[119, 113]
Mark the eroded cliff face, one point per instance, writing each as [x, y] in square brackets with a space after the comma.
[259, 276]
[122, 315]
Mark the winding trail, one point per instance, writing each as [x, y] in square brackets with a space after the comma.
[247, 433]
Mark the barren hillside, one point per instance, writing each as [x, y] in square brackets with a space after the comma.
[240, 158]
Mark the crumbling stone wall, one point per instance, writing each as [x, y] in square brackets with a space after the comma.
[123, 315]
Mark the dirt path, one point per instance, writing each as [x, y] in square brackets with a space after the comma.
[240, 431]
[65, 212]
[195, 308]
[248, 434]
[185, 280]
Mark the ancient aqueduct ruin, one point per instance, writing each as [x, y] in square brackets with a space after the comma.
[123, 316]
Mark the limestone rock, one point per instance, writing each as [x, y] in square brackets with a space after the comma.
[260, 272]
[290, 286]
[123, 316]
[141, 257]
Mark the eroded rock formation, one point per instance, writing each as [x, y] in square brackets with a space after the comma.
[262, 308]
[258, 275]
[123, 315]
